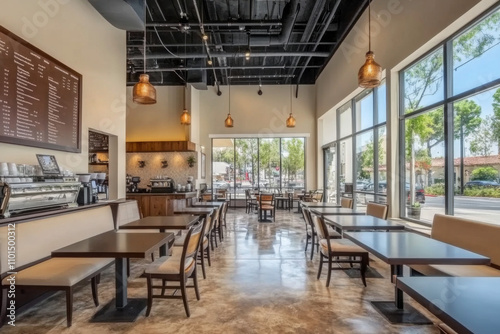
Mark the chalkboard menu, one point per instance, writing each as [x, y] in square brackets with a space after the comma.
[40, 98]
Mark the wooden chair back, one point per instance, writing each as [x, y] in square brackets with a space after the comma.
[377, 210]
[347, 203]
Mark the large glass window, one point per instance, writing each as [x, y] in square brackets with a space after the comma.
[360, 157]
[454, 171]
[265, 164]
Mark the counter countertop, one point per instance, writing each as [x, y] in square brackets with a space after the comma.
[47, 213]
[186, 193]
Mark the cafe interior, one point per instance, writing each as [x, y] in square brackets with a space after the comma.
[280, 166]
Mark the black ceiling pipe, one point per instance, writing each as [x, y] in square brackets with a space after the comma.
[290, 13]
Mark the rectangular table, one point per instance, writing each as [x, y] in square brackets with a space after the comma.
[407, 248]
[360, 223]
[466, 304]
[319, 205]
[207, 204]
[119, 246]
[335, 211]
[162, 223]
[200, 211]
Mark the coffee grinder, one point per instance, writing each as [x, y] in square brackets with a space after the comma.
[85, 194]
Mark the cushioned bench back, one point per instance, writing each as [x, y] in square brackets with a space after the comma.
[38, 238]
[472, 235]
[125, 212]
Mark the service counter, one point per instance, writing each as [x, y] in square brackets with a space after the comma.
[162, 204]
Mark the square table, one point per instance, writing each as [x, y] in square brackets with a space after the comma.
[362, 223]
[335, 212]
[407, 248]
[162, 223]
[466, 304]
[200, 211]
[120, 246]
[207, 204]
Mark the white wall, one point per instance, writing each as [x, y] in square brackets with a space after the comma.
[263, 115]
[160, 121]
[73, 32]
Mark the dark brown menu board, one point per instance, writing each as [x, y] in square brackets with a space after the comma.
[40, 98]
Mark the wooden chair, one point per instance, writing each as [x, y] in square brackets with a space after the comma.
[206, 197]
[176, 268]
[317, 196]
[334, 250]
[377, 210]
[267, 203]
[250, 202]
[312, 235]
[347, 203]
[445, 329]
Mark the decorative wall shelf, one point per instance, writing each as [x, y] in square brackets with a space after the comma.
[161, 146]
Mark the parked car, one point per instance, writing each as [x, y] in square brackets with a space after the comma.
[220, 185]
[382, 186]
[481, 183]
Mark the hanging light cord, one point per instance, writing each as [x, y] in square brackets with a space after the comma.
[369, 26]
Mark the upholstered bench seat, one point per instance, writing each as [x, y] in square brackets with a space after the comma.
[59, 271]
[457, 270]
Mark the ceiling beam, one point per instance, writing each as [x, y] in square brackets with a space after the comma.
[232, 55]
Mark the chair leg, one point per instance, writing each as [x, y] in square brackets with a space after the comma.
[320, 265]
[195, 283]
[329, 271]
[313, 240]
[93, 284]
[128, 266]
[364, 264]
[211, 240]
[202, 255]
[163, 286]
[208, 257]
[69, 307]
[184, 297]
[307, 241]
[150, 295]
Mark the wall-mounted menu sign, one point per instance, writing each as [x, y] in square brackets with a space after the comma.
[40, 98]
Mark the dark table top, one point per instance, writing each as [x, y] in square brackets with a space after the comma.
[117, 245]
[410, 248]
[466, 304]
[335, 211]
[177, 222]
[207, 204]
[320, 205]
[356, 223]
[194, 210]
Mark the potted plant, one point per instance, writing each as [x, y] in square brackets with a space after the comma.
[191, 160]
[414, 210]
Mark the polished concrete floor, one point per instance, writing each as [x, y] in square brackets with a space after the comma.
[260, 281]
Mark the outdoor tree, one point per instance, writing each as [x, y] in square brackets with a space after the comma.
[484, 173]
[269, 157]
[365, 158]
[423, 84]
[495, 126]
[293, 161]
[481, 141]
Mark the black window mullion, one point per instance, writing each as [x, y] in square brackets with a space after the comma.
[448, 129]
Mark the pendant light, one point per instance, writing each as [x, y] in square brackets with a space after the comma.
[228, 123]
[290, 121]
[144, 92]
[185, 117]
[370, 74]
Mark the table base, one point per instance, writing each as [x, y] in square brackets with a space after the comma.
[407, 315]
[109, 313]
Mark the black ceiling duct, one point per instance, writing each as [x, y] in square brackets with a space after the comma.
[123, 14]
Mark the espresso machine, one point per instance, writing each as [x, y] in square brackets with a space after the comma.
[133, 184]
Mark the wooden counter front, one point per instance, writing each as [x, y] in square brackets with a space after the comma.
[161, 204]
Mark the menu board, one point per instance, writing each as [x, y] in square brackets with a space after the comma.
[40, 98]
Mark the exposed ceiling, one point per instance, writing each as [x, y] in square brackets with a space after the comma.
[289, 41]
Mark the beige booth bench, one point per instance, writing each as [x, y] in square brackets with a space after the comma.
[468, 234]
[34, 242]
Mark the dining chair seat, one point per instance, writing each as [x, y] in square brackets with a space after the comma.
[340, 245]
[169, 265]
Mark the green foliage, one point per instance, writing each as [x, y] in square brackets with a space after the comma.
[484, 173]
[294, 161]
[483, 192]
[481, 141]
[435, 189]
[495, 126]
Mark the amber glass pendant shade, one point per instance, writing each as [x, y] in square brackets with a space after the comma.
[185, 117]
[229, 121]
[290, 121]
[144, 92]
[370, 74]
